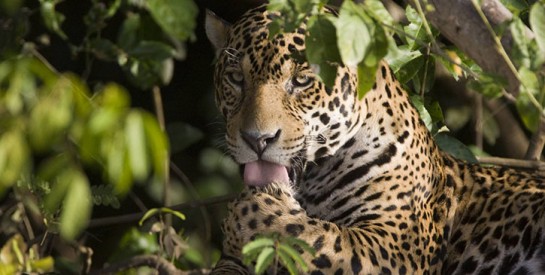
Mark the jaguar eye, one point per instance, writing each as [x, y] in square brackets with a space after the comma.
[235, 77]
[302, 81]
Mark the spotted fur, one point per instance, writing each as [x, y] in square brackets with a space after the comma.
[372, 194]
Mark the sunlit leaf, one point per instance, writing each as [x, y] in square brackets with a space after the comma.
[353, 34]
[154, 211]
[287, 262]
[377, 10]
[264, 260]
[405, 63]
[297, 258]
[257, 245]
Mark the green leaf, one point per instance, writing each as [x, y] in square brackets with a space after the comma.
[134, 243]
[416, 32]
[298, 259]
[528, 112]
[51, 17]
[529, 81]
[454, 147]
[491, 131]
[321, 48]
[377, 10]
[77, 205]
[424, 114]
[154, 211]
[287, 261]
[366, 79]
[14, 157]
[104, 49]
[434, 109]
[176, 17]
[52, 115]
[353, 33]
[488, 85]
[293, 241]
[157, 143]
[424, 78]
[537, 21]
[118, 165]
[256, 245]
[378, 47]
[136, 145]
[405, 63]
[520, 51]
[127, 36]
[264, 260]
[182, 135]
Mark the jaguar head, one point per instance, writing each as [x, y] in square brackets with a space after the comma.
[278, 112]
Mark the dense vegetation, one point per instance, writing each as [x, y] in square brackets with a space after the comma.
[111, 150]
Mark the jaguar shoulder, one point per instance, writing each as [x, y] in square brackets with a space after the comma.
[361, 180]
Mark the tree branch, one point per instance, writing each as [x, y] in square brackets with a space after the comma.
[162, 266]
[459, 22]
[121, 219]
[516, 163]
[537, 142]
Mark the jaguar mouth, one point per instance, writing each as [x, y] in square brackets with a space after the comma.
[262, 173]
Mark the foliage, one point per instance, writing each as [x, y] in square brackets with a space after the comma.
[73, 145]
[268, 251]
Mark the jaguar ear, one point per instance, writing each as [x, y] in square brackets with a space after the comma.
[216, 30]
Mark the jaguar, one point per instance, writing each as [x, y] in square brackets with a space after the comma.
[361, 180]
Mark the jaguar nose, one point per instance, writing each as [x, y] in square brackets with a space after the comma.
[260, 141]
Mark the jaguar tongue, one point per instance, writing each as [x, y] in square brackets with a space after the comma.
[261, 173]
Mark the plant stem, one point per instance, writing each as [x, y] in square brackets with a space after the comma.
[158, 102]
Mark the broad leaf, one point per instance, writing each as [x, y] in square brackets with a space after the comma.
[321, 48]
[353, 33]
[176, 17]
[454, 147]
[537, 21]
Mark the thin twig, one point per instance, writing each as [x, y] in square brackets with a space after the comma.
[515, 163]
[189, 185]
[161, 265]
[128, 218]
[158, 102]
[478, 110]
